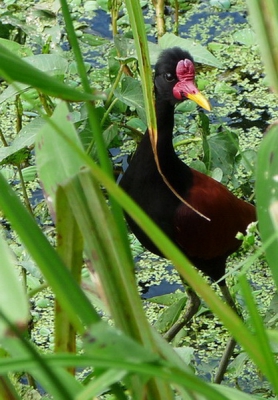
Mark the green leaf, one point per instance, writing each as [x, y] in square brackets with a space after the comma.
[186, 354]
[273, 339]
[217, 174]
[223, 147]
[199, 53]
[222, 4]
[13, 299]
[100, 384]
[70, 249]
[53, 64]
[264, 19]
[24, 139]
[245, 36]
[132, 95]
[267, 196]
[167, 299]
[55, 380]
[9, 156]
[223, 87]
[13, 68]
[170, 315]
[50, 264]
[29, 173]
[107, 342]
[93, 40]
[57, 166]
[16, 48]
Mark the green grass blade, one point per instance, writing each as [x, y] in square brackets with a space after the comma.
[267, 195]
[260, 332]
[57, 275]
[13, 299]
[264, 18]
[70, 249]
[139, 33]
[93, 117]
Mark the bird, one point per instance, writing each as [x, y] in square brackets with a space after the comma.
[206, 242]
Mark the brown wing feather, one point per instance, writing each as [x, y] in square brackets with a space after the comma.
[228, 215]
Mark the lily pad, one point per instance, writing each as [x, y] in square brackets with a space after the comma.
[199, 53]
[245, 36]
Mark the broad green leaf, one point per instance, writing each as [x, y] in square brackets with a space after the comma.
[29, 173]
[186, 353]
[238, 365]
[13, 68]
[87, 138]
[217, 174]
[222, 4]
[167, 299]
[132, 95]
[16, 48]
[223, 87]
[245, 36]
[199, 53]
[267, 195]
[53, 154]
[9, 156]
[93, 40]
[12, 90]
[24, 139]
[170, 315]
[138, 124]
[52, 64]
[13, 299]
[223, 148]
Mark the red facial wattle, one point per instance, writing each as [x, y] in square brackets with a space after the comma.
[185, 87]
[185, 72]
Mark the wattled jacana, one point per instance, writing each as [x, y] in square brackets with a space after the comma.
[206, 243]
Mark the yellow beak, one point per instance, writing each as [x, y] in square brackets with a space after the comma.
[200, 100]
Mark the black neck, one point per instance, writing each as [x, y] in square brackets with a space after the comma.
[165, 126]
[171, 165]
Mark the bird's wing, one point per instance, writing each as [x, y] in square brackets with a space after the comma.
[228, 215]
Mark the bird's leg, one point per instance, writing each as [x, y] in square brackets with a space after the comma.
[227, 296]
[228, 352]
[192, 307]
[222, 368]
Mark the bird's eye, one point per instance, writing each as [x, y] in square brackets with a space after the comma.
[169, 77]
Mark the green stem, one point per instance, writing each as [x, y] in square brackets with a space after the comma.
[24, 191]
[93, 118]
[2, 137]
[115, 84]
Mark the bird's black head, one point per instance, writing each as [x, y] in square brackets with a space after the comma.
[175, 76]
[168, 60]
